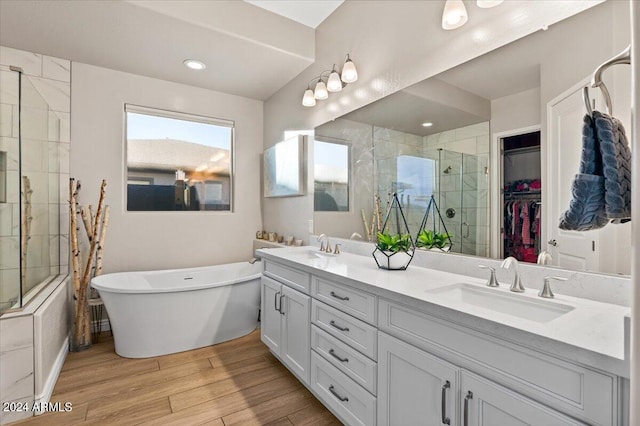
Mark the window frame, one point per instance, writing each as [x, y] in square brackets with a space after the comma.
[178, 115]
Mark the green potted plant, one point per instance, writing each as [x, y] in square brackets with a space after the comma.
[393, 252]
[430, 240]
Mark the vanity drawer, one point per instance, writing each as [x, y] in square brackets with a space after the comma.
[298, 280]
[583, 393]
[357, 303]
[346, 359]
[355, 333]
[355, 405]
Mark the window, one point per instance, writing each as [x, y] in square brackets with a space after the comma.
[178, 161]
[331, 176]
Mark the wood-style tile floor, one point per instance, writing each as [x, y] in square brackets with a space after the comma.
[236, 382]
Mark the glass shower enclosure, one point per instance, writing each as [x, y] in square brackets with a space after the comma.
[29, 190]
[459, 184]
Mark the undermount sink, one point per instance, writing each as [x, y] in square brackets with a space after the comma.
[315, 254]
[515, 305]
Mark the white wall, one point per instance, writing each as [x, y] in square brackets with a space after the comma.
[516, 111]
[161, 240]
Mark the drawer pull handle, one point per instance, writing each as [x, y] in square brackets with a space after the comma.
[466, 407]
[333, 294]
[333, 324]
[281, 297]
[275, 301]
[337, 395]
[445, 419]
[333, 354]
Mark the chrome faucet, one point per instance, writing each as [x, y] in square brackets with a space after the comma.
[253, 260]
[544, 258]
[355, 235]
[546, 288]
[492, 281]
[516, 286]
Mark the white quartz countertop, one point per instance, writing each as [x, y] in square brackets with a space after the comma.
[585, 331]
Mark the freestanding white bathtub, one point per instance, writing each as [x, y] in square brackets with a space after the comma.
[162, 312]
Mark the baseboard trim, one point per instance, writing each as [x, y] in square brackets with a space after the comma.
[44, 398]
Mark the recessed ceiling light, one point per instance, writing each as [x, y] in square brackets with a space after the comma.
[194, 64]
[427, 124]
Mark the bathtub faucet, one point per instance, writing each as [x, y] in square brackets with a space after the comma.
[254, 260]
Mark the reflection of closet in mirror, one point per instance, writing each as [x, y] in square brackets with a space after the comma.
[522, 195]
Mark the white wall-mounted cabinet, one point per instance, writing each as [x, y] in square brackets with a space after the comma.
[285, 325]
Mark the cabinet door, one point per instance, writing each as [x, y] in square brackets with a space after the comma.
[414, 387]
[296, 332]
[271, 318]
[486, 403]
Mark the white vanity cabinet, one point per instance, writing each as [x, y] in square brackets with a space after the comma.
[498, 382]
[285, 325]
[377, 357]
[416, 387]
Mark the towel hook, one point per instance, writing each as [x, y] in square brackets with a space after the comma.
[623, 57]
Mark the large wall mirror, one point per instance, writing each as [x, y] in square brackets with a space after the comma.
[496, 141]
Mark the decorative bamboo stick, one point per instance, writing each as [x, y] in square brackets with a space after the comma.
[26, 230]
[366, 226]
[87, 219]
[73, 228]
[374, 234]
[101, 241]
[81, 338]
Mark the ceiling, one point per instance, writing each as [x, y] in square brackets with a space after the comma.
[309, 12]
[249, 51]
[511, 69]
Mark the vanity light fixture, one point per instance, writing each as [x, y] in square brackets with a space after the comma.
[455, 14]
[427, 124]
[329, 81]
[334, 83]
[194, 64]
[486, 4]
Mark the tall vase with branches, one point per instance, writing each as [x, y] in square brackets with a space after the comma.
[95, 226]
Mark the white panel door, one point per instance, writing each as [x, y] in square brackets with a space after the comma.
[414, 387]
[270, 330]
[569, 249]
[485, 403]
[296, 332]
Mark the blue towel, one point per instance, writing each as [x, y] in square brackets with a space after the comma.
[601, 191]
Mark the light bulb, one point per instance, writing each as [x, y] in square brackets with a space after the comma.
[321, 91]
[308, 99]
[334, 84]
[486, 4]
[454, 15]
[349, 72]
[194, 64]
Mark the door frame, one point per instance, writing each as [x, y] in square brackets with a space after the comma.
[496, 211]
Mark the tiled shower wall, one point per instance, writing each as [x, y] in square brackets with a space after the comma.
[45, 159]
[388, 145]
[466, 187]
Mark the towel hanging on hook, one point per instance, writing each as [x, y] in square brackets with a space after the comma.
[596, 81]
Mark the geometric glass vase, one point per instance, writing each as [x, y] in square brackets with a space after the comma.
[395, 247]
[429, 237]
